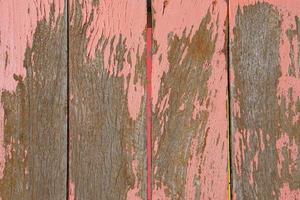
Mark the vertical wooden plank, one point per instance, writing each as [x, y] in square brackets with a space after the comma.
[265, 77]
[107, 99]
[33, 96]
[189, 79]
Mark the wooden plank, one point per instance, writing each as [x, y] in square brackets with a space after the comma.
[190, 143]
[265, 91]
[33, 77]
[107, 99]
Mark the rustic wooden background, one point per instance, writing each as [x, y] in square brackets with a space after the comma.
[141, 99]
[33, 110]
[265, 99]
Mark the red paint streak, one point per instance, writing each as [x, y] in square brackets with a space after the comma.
[149, 113]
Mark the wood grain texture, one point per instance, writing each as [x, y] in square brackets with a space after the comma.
[33, 93]
[107, 99]
[190, 142]
[265, 92]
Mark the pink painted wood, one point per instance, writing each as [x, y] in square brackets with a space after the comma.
[265, 96]
[108, 99]
[189, 77]
[33, 99]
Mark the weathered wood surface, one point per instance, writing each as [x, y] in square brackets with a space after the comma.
[107, 99]
[189, 90]
[265, 92]
[33, 94]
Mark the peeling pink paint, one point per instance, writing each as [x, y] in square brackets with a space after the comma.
[18, 22]
[129, 26]
[285, 81]
[234, 196]
[288, 6]
[214, 154]
[236, 109]
[288, 194]
[133, 193]
[253, 167]
[176, 17]
[239, 149]
[192, 169]
[164, 104]
[162, 107]
[26, 171]
[255, 160]
[285, 142]
[280, 143]
[294, 150]
[288, 9]
[261, 141]
[9, 149]
[2, 148]
[198, 107]
[155, 147]
[135, 93]
[182, 107]
[231, 75]
[71, 190]
[159, 193]
[251, 180]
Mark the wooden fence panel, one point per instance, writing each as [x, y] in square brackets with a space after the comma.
[107, 99]
[189, 91]
[33, 94]
[265, 92]
[116, 100]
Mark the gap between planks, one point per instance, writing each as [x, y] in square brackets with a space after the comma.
[68, 103]
[229, 104]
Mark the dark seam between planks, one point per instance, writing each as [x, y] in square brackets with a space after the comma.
[149, 7]
[229, 102]
[68, 104]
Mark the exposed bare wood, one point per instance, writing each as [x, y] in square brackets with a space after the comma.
[33, 84]
[107, 99]
[190, 143]
[265, 77]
